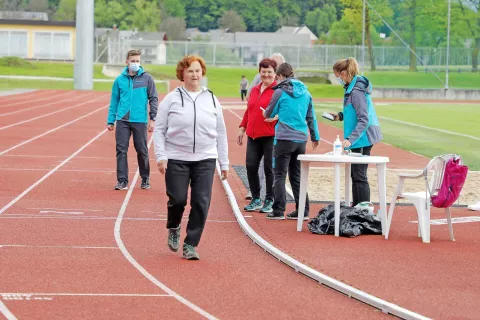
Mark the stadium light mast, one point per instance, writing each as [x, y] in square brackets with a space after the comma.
[363, 38]
[83, 72]
[448, 43]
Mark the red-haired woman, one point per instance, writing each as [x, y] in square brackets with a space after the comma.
[189, 137]
[260, 137]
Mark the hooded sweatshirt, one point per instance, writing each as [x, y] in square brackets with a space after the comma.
[131, 96]
[361, 126]
[296, 115]
[191, 129]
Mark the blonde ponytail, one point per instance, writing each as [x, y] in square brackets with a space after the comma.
[349, 65]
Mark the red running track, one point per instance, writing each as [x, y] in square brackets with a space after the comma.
[65, 240]
[438, 280]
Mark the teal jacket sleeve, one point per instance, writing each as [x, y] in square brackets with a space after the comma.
[114, 100]
[312, 122]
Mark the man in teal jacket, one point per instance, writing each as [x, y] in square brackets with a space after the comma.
[132, 92]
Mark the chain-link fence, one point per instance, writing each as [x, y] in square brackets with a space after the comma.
[113, 51]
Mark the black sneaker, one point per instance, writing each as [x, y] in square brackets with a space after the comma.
[121, 185]
[189, 252]
[275, 216]
[294, 216]
[174, 238]
[145, 183]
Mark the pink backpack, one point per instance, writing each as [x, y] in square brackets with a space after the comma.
[454, 176]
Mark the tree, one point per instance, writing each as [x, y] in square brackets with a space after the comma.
[472, 20]
[172, 8]
[38, 6]
[203, 14]
[321, 20]
[174, 27]
[353, 12]
[231, 20]
[66, 10]
[109, 13]
[12, 5]
[144, 17]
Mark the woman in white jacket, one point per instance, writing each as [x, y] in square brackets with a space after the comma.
[189, 137]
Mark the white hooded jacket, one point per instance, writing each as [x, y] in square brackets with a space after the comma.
[191, 130]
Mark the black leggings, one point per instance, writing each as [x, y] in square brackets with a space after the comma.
[360, 186]
[256, 149]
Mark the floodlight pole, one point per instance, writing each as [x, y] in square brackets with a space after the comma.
[83, 71]
[363, 39]
[448, 44]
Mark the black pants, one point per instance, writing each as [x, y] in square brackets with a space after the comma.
[360, 186]
[285, 155]
[256, 149]
[199, 175]
[123, 131]
[243, 94]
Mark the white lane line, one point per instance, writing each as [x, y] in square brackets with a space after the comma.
[430, 128]
[27, 216]
[61, 212]
[55, 247]
[49, 114]
[350, 291]
[50, 97]
[49, 104]
[20, 196]
[50, 131]
[7, 314]
[128, 256]
[66, 294]
[63, 209]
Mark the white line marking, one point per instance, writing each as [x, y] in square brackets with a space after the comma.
[49, 104]
[20, 196]
[430, 128]
[4, 310]
[128, 256]
[55, 247]
[26, 216]
[454, 220]
[62, 212]
[49, 114]
[50, 97]
[50, 131]
[64, 209]
[383, 305]
[86, 294]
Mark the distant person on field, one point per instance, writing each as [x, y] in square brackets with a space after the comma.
[133, 91]
[293, 105]
[189, 137]
[279, 59]
[243, 87]
[260, 138]
[361, 129]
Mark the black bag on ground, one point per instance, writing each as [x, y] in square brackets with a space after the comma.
[353, 221]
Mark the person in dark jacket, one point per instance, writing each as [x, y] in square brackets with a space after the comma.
[292, 103]
[260, 137]
[133, 91]
[361, 129]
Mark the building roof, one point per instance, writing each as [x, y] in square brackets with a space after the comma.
[38, 23]
[149, 36]
[24, 15]
[296, 30]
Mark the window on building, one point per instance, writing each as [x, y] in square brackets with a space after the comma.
[16, 43]
[52, 45]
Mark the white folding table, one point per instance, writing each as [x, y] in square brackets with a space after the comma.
[381, 164]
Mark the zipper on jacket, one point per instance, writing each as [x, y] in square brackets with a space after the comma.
[194, 115]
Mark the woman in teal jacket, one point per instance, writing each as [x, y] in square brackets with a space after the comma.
[361, 128]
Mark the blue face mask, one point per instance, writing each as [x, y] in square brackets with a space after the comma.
[134, 67]
[340, 80]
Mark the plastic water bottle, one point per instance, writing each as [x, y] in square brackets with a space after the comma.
[337, 147]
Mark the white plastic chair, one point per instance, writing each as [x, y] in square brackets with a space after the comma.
[421, 200]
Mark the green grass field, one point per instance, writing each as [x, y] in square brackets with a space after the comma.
[225, 81]
[454, 118]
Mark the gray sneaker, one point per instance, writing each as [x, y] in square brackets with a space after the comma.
[174, 239]
[189, 252]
